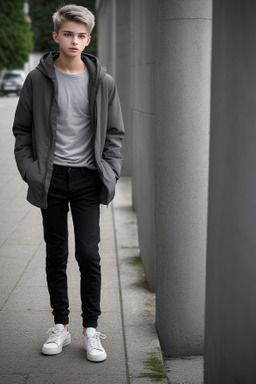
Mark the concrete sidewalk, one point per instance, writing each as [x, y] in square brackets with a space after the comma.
[25, 315]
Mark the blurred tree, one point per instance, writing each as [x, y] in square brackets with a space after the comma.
[16, 41]
[41, 12]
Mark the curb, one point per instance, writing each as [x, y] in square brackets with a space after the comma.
[144, 357]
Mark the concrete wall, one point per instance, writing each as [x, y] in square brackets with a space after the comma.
[231, 256]
[129, 56]
[168, 138]
[182, 142]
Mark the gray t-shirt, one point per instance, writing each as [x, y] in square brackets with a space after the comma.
[74, 145]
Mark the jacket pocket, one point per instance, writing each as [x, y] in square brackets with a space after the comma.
[109, 181]
[34, 180]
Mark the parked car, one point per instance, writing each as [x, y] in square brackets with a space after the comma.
[12, 82]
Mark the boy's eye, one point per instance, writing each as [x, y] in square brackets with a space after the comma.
[67, 34]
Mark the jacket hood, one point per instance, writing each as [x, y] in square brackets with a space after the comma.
[95, 69]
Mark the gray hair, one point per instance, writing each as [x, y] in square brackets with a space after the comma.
[75, 13]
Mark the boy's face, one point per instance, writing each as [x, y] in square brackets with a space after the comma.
[72, 38]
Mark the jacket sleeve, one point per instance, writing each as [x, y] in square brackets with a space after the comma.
[22, 129]
[115, 132]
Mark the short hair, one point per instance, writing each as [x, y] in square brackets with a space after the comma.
[75, 13]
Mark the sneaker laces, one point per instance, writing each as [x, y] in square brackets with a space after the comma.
[55, 334]
[95, 340]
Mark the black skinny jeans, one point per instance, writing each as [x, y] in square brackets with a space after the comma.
[79, 188]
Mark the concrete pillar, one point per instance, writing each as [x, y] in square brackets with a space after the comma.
[113, 50]
[231, 255]
[143, 33]
[123, 77]
[182, 134]
[106, 34]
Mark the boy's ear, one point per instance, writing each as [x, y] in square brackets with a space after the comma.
[88, 40]
[55, 37]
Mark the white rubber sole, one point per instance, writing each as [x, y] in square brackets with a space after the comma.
[96, 359]
[55, 351]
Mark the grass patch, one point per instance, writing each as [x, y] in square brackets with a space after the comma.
[136, 261]
[148, 312]
[150, 303]
[150, 306]
[156, 367]
[142, 281]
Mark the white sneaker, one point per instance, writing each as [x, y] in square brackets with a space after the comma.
[93, 347]
[59, 338]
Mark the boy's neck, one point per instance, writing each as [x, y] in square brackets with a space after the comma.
[73, 65]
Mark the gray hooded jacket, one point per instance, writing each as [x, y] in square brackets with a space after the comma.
[35, 125]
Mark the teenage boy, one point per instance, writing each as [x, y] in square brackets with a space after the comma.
[68, 128]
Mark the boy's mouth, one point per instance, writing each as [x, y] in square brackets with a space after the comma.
[74, 49]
